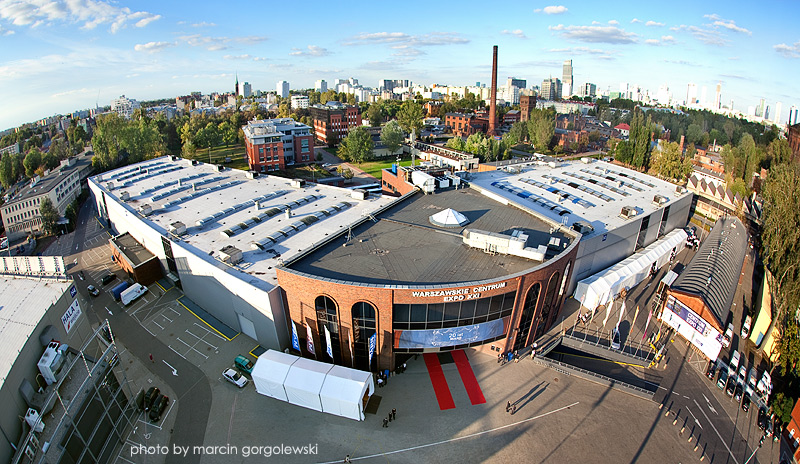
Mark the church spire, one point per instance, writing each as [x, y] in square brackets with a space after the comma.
[237, 84]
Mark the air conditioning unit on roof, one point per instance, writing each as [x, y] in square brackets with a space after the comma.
[628, 212]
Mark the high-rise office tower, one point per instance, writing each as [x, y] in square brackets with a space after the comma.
[518, 83]
[551, 89]
[321, 86]
[777, 117]
[792, 116]
[691, 94]
[282, 89]
[566, 79]
[760, 109]
[718, 96]
[247, 90]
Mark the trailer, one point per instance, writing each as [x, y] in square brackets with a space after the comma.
[117, 291]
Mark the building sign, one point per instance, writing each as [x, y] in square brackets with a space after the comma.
[73, 291]
[452, 336]
[691, 318]
[692, 327]
[71, 316]
[458, 294]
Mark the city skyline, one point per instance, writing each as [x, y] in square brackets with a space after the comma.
[64, 56]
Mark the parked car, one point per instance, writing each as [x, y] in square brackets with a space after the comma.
[711, 370]
[615, 340]
[93, 290]
[746, 327]
[243, 364]
[777, 429]
[726, 340]
[234, 377]
[150, 397]
[762, 418]
[159, 407]
[731, 385]
[723, 377]
[739, 391]
[746, 403]
[108, 278]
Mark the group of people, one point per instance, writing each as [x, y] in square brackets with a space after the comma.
[392, 416]
[503, 358]
[383, 376]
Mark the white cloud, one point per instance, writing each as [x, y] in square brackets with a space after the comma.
[4, 31]
[259, 58]
[203, 24]
[401, 38]
[237, 57]
[218, 43]
[727, 24]
[634, 21]
[406, 51]
[613, 22]
[652, 42]
[653, 24]
[668, 39]
[516, 33]
[88, 13]
[152, 47]
[788, 51]
[69, 93]
[707, 36]
[552, 9]
[595, 34]
[313, 50]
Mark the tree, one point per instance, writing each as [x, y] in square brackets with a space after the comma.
[639, 139]
[780, 241]
[71, 213]
[782, 405]
[357, 146]
[668, 163]
[375, 114]
[228, 133]
[32, 161]
[392, 136]
[694, 134]
[517, 134]
[541, 128]
[7, 171]
[319, 157]
[33, 142]
[49, 215]
[49, 161]
[410, 117]
[779, 152]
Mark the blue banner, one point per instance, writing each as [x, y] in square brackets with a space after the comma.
[435, 338]
[329, 347]
[373, 341]
[295, 338]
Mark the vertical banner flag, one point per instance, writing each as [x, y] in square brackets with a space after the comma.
[608, 311]
[649, 315]
[295, 338]
[350, 343]
[310, 341]
[373, 341]
[621, 312]
[329, 348]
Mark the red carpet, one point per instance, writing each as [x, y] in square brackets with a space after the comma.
[468, 377]
[438, 381]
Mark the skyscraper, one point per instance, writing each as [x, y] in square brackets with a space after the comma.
[518, 83]
[247, 90]
[792, 116]
[691, 94]
[718, 96]
[321, 86]
[760, 109]
[566, 79]
[551, 89]
[777, 117]
[282, 89]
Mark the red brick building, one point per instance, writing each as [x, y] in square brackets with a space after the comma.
[511, 117]
[793, 136]
[466, 124]
[333, 121]
[272, 144]
[526, 104]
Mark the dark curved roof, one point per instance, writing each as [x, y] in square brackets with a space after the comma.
[713, 274]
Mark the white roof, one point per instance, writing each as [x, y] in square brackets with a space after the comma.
[270, 372]
[304, 382]
[23, 303]
[448, 218]
[599, 288]
[593, 192]
[343, 391]
[230, 197]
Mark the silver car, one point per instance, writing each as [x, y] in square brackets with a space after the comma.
[234, 377]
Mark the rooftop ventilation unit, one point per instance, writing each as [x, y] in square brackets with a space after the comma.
[298, 183]
[177, 228]
[124, 196]
[219, 167]
[586, 160]
[359, 194]
[230, 255]
[252, 174]
[582, 227]
[680, 189]
[146, 210]
[628, 212]
[659, 200]
[175, 158]
[110, 186]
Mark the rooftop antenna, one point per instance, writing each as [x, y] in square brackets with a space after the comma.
[413, 139]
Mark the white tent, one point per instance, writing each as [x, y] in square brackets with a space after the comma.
[270, 372]
[448, 218]
[344, 391]
[599, 288]
[304, 381]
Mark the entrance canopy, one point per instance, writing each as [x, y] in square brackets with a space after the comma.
[312, 384]
[599, 288]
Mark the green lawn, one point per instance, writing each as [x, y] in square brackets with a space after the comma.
[374, 168]
[218, 155]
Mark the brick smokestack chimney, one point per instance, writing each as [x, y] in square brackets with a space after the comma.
[681, 144]
[493, 95]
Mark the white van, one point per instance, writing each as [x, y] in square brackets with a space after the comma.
[132, 293]
[734, 362]
[726, 340]
[746, 327]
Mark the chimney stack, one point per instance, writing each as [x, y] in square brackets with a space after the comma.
[493, 95]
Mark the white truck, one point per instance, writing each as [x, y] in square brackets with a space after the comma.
[132, 293]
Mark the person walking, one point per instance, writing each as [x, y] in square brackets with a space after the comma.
[385, 422]
[390, 416]
[347, 458]
[151, 358]
[394, 414]
[513, 409]
[533, 351]
[508, 406]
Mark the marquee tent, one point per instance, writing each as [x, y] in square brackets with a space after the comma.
[345, 392]
[304, 382]
[312, 384]
[599, 288]
[270, 373]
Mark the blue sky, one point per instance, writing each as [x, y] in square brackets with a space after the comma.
[58, 56]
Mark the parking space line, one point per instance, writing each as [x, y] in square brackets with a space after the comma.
[176, 312]
[191, 347]
[210, 332]
[159, 325]
[176, 352]
[165, 317]
[119, 456]
[150, 424]
[200, 339]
